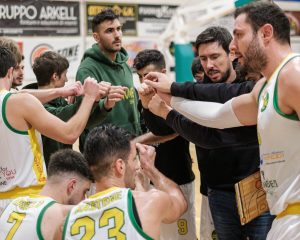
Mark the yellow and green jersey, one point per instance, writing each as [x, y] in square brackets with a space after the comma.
[105, 215]
[22, 167]
[23, 216]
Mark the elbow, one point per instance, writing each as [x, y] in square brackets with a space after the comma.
[184, 206]
[70, 139]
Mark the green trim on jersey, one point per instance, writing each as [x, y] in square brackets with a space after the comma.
[260, 91]
[40, 218]
[65, 226]
[5, 118]
[292, 116]
[132, 218]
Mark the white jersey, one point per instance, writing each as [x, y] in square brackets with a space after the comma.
[22, 218]
[22, 167]
[105, 215]
[279, 138]
[185, 227]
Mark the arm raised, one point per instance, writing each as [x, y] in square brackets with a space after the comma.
[46, 95]
[30, 112]
[169, 200]
[239, 111]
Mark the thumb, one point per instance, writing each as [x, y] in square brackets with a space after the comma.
[141, 148]
[151, 83]
[153, 76]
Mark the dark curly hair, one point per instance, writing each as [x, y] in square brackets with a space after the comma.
[214, 34]
[47, 64]
[105, 144]
[106, 14]
[7, 60]
[68, 161]
[147, 57]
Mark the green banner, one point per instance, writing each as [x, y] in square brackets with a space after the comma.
[239, 3]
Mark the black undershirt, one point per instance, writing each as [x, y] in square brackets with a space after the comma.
[135, 213]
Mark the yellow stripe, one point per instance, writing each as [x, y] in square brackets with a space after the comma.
[20, 192]
[291, 209]
[104, 192]
[38, 158]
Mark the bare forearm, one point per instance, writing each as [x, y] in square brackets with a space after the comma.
[161, 182]
[78, 122]
[44, 95]
[150, 138]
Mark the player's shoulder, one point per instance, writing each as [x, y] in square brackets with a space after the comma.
[23, 99]
[290, 72]
[58, 211]
[288, 79]
[153, 195]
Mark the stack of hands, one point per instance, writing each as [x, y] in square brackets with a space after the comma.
[112, 94]
[155, 95]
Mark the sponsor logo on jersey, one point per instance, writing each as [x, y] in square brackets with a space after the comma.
[265, 99]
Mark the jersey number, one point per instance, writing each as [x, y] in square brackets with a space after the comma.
[182, 226]
[89, 225]
[18, 218]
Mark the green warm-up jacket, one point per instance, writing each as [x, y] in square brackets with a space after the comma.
[95, 64]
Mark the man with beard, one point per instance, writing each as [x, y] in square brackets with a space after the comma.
[106, 61]
[40, 216]
[18, 73]
[262, 36]
[224, 156]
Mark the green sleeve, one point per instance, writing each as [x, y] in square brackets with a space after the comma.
[98, 113]
[64, 112]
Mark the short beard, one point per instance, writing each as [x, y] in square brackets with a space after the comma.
[226, 76]
[111, 50]
[16, 84]
[255, 59]
[241, 71]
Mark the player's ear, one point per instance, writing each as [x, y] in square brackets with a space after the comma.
[9, 73]
[71, 186]
[119, 167]
[267, 32]
[96, 37]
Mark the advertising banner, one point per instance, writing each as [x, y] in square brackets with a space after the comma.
[153, 19]
[39, 18]
[71, 48]
[127, 13]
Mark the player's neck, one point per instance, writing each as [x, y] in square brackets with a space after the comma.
[107, 182]
[54, 193]
[109, 54]
[277, 53]
[4, 84]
